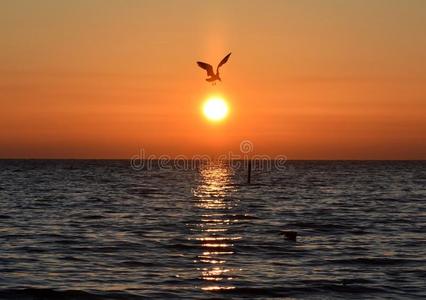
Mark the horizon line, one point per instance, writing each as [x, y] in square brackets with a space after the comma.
[189, 159]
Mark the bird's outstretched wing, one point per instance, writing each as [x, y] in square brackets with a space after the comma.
[206, 67]
[224, 60]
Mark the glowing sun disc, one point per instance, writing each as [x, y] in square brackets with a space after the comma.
[215, 109]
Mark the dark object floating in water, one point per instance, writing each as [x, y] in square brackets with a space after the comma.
[290, 235]
[212, 76]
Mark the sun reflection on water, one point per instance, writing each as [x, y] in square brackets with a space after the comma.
[213, 198]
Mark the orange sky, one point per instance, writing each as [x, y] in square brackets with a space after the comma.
[307, 79]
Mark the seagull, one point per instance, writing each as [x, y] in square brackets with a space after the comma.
[213, 77]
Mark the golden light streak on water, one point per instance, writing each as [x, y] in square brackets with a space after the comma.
[213, 196]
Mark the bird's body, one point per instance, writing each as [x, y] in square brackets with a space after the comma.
[212, 75]
[213, 78]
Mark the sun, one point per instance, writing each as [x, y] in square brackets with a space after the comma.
[215, 109]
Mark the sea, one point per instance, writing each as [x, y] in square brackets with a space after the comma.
[105, 229]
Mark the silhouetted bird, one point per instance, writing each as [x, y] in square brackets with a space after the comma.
[213, 77]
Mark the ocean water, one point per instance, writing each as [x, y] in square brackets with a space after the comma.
[102, 230]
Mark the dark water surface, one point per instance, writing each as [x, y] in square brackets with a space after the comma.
[100, 230]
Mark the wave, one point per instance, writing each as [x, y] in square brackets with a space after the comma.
[311, 288]
[377, 261]
[48, 294]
